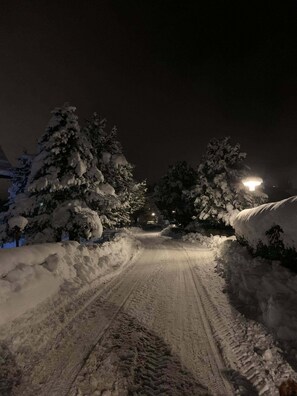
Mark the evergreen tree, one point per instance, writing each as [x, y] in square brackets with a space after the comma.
[170, 193]
[219, 193]
[117, 171]
[12, 224]
[64, 184]
[20, 176]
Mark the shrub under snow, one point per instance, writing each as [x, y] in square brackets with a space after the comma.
[270, 230]
[209, 242]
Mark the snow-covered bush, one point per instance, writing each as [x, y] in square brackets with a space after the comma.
[210, 242]
[270, 230]
[78, 220]
[265, 289]
[219, 193]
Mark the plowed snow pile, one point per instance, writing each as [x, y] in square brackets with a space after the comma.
[30, 274]
[253, 224]
[264, 289]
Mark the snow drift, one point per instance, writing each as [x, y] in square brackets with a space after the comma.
[268, 292]
[30, 274]
[211, 242]
[253, 225]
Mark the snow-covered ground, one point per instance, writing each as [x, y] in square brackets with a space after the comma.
[161, 325]
[31, 274]
[264, 290]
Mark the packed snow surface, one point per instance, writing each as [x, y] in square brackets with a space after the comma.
[161, 325]
[252, 224]
[30, 274]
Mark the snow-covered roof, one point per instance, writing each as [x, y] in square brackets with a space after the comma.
[5, 165]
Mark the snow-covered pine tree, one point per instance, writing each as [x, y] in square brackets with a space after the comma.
[18, 183]
[219, 193]
[64, 184]
[170, 193]
[20, 176]
[118, 173]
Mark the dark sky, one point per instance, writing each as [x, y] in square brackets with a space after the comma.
[170, 74]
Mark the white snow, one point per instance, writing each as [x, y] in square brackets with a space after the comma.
[17, 221]
[119, 160]
[265, 288]
[30, 274]
[252, 224]
[106, 157]
[76, 162]
[164, 325]
[210, 242]
[75, 214]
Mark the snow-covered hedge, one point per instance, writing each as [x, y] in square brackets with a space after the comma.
[209, 242]
[270, 230]
[30, 274]
[269, 292]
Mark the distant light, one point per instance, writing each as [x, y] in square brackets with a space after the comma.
[173, 211]
[153, 214]
[252, 182]
[41, 204]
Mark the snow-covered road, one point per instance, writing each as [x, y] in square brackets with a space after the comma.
[162, 326]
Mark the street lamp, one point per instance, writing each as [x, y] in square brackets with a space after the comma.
[252, 182]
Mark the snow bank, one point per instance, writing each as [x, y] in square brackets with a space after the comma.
[209, 242]
[269, 292]
[253, 225]
[30, 274]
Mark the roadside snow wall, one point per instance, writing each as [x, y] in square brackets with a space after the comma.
[30, 274]
[270, 230]
[211, 242]
[263, 288]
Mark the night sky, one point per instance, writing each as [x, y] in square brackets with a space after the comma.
[170, 74]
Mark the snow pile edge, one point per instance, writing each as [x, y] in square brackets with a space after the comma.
[265, 289]
[211, 242]
[30, 274]
[253, 225]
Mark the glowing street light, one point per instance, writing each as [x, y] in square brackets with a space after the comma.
[252, 182]
[153, 214]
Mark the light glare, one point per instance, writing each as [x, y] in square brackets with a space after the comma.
[252, 182]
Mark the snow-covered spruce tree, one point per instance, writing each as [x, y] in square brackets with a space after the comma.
[170, 193]
[64, 185]
[117, 171]
[96, 134]
[12, 224]
[219, 193]
[20, 176]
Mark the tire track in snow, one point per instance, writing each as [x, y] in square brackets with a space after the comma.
[52, 368]
[217, 363]
[174, 343]
[241, 341]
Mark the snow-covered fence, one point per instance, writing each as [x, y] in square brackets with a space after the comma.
[270, 230]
